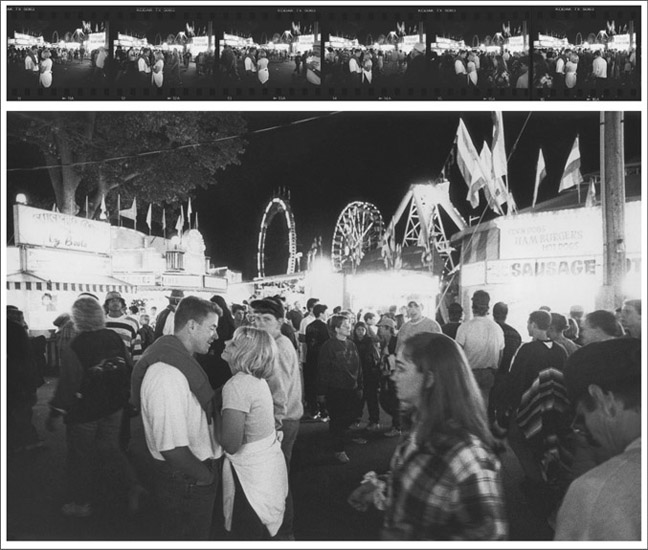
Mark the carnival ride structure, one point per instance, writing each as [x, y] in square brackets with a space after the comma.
[279, 204]
[360, 230]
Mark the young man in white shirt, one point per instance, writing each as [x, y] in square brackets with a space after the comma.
[179, 412]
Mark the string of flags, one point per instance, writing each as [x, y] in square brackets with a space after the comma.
[131, 213]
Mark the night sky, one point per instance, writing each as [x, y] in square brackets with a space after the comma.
[372, 156]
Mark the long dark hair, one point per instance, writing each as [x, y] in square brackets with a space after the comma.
[453, 402]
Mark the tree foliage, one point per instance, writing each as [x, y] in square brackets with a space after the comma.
[133, 154]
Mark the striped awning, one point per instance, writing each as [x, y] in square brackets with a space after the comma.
[25, 280]
[478, 243]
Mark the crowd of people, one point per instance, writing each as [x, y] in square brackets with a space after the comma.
[39, 65]
[251, 66]
[479, 71]
[154, 68]
[221, 392]
[372, 67]
[475, 71]
[599, 72]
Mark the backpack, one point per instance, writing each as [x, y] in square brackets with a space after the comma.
[105, 389]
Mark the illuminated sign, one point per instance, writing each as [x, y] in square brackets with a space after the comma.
[137, 279]
[96, 40]
[215, 283]
[193, 281]
[38, 227]
[577, 232]
[58, 262]
[572, 268]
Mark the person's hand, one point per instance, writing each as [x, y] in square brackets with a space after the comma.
[362, 497]
[280, 435]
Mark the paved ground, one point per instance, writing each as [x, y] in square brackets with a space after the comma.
[320, 486]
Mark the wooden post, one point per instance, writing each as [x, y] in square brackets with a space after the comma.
[613, 211]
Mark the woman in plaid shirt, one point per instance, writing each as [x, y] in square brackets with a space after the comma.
[445, 480]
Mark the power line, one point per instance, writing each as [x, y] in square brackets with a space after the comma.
[173, 149]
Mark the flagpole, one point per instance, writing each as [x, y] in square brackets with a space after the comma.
[118, 210]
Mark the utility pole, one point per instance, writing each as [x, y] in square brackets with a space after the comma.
[613, 210]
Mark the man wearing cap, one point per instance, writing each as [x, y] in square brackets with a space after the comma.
[122, 324]
[285, 386]
[164, 322]
[179, 411]
[416, 73]
[128, 330]
[604, 382]
[417, 322]
[482, 339]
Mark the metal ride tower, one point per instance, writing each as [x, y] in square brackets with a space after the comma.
[424, 225]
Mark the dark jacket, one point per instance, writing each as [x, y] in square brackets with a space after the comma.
[338, 366]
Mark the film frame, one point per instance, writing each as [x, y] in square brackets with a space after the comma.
[588, 30]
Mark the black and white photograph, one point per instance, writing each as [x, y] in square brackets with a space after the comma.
[477, 57]
[280, 50]
[117, 220]
[587, 53]
[52, 53]
[378, 53]
[405, 314]
[162, 53]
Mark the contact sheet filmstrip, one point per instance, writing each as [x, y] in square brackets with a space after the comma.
[311, 53]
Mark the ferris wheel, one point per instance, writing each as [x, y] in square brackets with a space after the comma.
[358, 230]
[278, 205]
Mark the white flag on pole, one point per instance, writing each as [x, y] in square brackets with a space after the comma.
[495, 190]
[189, 212]
[149, 216]
[180, 222]
[469, 164]
[572, 175]
[130, 213]
[541, 173]
[103, 212]
[500, 167]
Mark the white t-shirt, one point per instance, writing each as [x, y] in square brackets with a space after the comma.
[481, 339]
[599, 67]
[244, 392]
[172, 415]
[409, 329]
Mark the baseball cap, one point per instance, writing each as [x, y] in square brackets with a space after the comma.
[268, 305]
[481, 298]
[386, 322]
[610, 364]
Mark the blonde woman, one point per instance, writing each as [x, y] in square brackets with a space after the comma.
[45, 78]
[255, 479]
[445, 481]
[263, 74]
